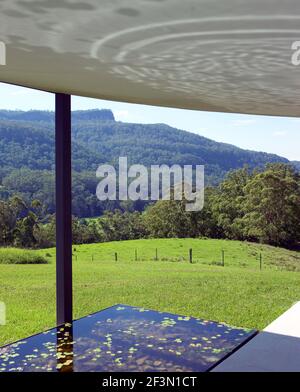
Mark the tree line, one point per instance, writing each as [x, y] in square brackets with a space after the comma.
[259, 206]
[253, 205]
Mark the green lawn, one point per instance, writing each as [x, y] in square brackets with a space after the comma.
[239, 293]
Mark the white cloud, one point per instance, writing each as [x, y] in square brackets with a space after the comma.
[279, 133]
[244, 122]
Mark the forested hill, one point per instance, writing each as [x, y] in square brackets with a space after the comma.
[27, 146]
[47, 116]
[27, 140]
[296, 164]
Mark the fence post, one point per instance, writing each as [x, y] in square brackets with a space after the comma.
[135, 255]
[156, 254]
[260, 261]
[116, 256]
[223, 258]
[191, 256]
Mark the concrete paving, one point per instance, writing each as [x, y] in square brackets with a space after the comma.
[275, 349]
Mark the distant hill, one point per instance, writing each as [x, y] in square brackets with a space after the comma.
[27, 152]
[48, 116]
[296, 164]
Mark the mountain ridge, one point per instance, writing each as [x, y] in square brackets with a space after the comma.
[27, 150]
[105, 115]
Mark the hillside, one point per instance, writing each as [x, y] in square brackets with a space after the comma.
[296, 164]
[97, 138]
[27, 152]
[238, 293]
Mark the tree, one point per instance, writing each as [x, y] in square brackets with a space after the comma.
[119, 226]
[272, 206]
[44, 234]
[206, 222]
[168, 219]
[24, 231]
[10, 212]
[227, 205]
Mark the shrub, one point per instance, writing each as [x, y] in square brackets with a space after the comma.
[20, 256]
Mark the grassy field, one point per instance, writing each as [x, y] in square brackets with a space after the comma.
[239, 293]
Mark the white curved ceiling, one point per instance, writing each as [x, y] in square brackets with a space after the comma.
[229, 55]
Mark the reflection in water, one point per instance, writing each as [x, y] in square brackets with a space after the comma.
[64, 348]
[214, 57]
[124, 338]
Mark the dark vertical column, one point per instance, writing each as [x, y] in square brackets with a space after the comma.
[63, 208]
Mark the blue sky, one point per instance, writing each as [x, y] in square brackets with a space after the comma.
[261, 133]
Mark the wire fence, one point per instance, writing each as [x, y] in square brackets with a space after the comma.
[219, 258]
